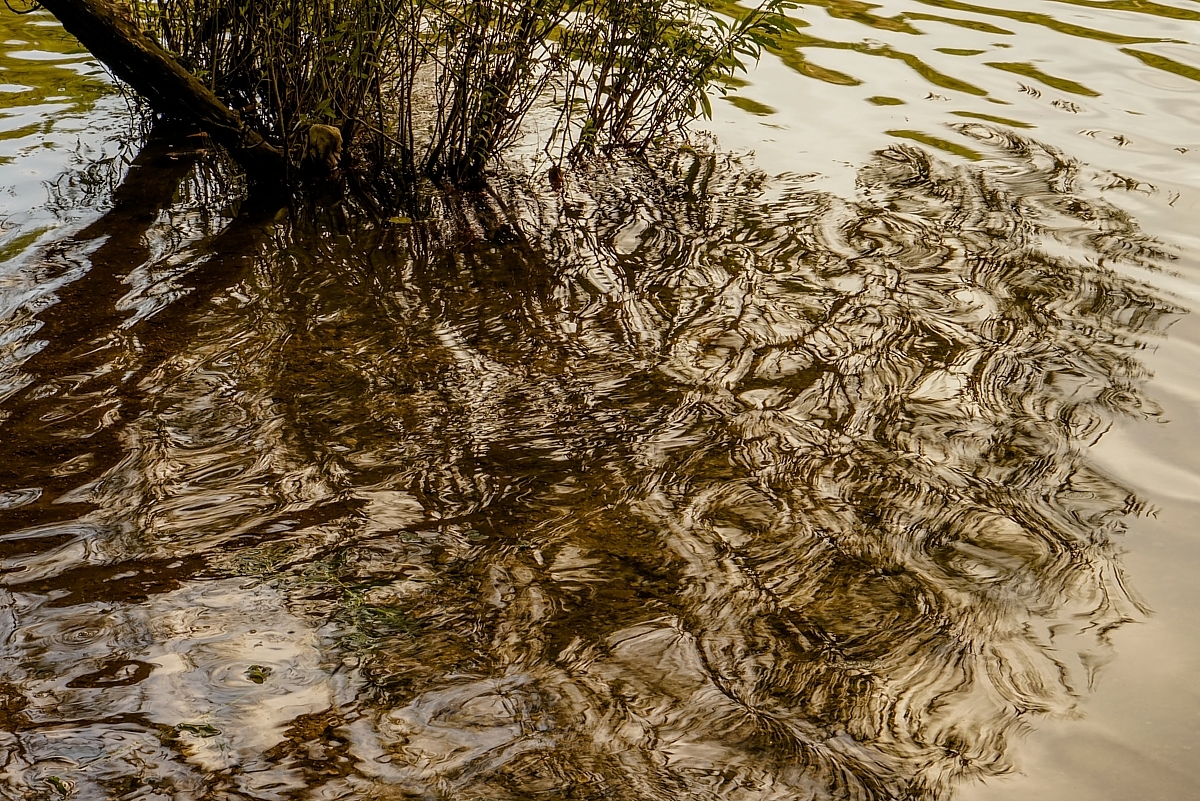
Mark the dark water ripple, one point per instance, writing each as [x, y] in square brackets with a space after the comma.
[687, 483]
[708, 485]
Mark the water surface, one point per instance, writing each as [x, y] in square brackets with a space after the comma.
[857, 468]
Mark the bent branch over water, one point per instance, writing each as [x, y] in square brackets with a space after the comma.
[423, 93]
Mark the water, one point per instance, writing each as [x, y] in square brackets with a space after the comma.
[859, 468]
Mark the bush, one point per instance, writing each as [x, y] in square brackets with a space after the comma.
[435, 89]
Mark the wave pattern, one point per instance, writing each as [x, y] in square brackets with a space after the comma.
[695, 484]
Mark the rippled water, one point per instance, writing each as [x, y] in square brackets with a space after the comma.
[859, 468]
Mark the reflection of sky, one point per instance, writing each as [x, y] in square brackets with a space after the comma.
[54, 99]
[1113, 86]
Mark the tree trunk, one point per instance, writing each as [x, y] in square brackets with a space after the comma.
[106, 29]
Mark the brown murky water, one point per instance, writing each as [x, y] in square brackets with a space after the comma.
[861, 468]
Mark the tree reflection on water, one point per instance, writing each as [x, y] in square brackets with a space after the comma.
[705, 485]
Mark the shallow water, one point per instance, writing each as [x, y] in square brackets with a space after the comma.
[859, 468]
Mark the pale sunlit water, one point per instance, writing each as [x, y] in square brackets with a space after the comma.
[859, 467]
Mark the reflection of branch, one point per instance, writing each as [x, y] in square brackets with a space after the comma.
[33, 6]
[86, 310]
[749, 489]
[88, 306]
[81, 328]
[966, 329]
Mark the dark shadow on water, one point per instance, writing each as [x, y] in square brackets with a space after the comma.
[686, 483]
